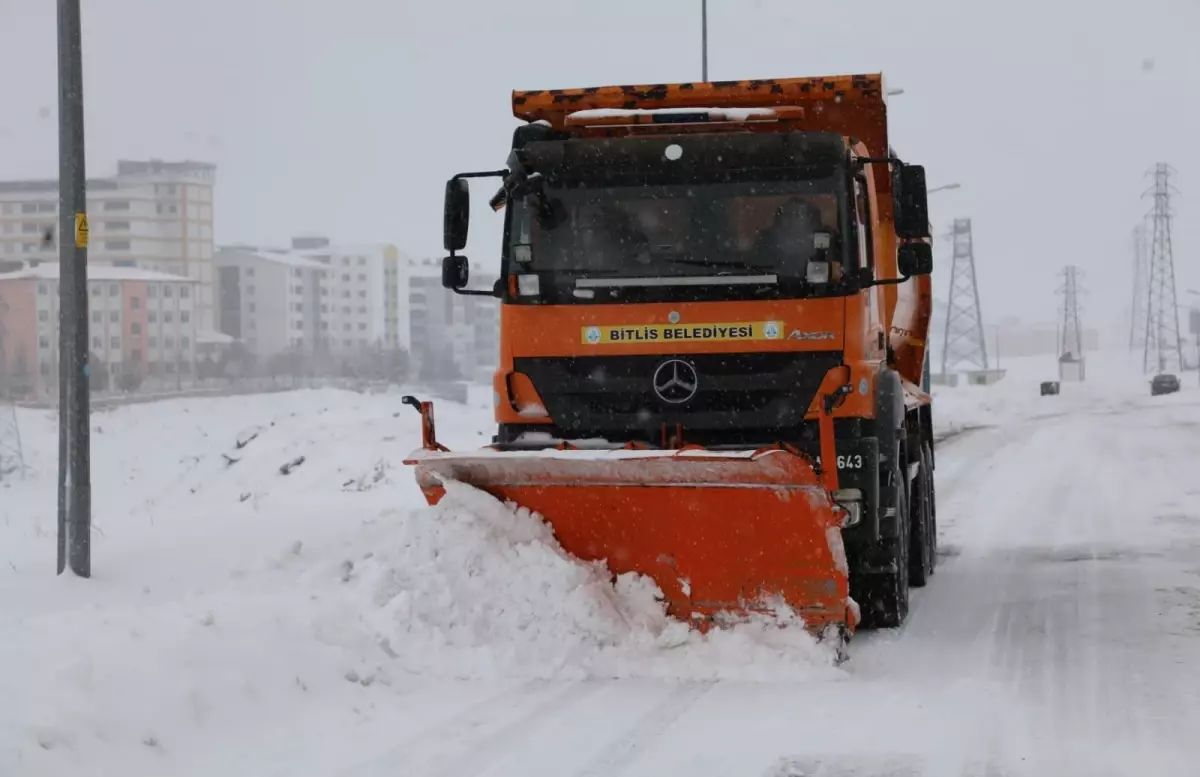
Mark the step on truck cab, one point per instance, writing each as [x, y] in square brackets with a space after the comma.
[715, 299]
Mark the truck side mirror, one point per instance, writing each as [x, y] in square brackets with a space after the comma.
[456, 215]
[456, 271]
[912, 202]
[915, 259]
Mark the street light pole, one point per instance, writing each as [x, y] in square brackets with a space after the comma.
[74, 444]
[704, 40]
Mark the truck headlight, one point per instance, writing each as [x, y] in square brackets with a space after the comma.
[817, 272]
[528, 285]
[850, 500]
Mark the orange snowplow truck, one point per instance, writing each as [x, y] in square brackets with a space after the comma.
[714, 306]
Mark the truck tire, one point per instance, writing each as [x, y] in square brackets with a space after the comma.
[927, 448]
[920, 552]
[881, 590]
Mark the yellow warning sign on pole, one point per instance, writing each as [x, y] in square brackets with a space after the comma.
[81, 230]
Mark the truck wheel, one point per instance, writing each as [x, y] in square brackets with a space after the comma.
[882, 591]
[920, 566]
[927, 451]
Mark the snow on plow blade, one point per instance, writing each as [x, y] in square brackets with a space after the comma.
[717, 531]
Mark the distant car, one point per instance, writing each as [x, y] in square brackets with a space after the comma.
[1164, 384]
[1049, 388]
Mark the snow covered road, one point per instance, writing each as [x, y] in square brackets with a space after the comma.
[1061, 636]
[246, 622]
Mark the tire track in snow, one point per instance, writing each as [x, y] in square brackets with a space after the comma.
[458, 727]
[644, 731]
[475, 756]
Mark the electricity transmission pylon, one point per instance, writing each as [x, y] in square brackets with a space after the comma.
[1141, 273]
[1070, 345]
[1163, 348]
[964, 338]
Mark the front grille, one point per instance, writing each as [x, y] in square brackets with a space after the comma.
[610, 395]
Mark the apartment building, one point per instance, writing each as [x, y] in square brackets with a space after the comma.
[138, 321]
[153, 215]
[268, 300]
[313, 297]
[440, 321]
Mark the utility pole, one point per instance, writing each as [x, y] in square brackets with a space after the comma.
[704, 40]
[1137, 316]
[74, 443]
[1163, 345]
[964, 339]
[1070, 345]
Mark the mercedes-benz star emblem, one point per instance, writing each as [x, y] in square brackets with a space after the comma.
[675, 381]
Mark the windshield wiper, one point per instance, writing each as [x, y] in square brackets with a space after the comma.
[728, 263]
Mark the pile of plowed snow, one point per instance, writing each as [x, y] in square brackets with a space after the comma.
[476, 588]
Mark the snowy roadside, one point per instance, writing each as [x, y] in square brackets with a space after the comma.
[236, 605]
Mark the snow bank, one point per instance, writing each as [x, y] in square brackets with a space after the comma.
[475, 588]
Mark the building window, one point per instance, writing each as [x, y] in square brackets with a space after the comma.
[249, 272]
[250, 289]
[114, 315]
[362, 294]
[136, 355]
[166, 291]
[42, 289]
[362, 260]
[116, 205]
[362, 327]
[253, 308]
[152, 341]
[135, 329]
[167, 318]
[114, 290]
[185, 292]
[30, 228]
[345, 327]
[95, 291]
[183, 343]
[43, 315]
[362, 277]
[168, 342]
[299, 324]
[116, 245]
[135, 303]
[362, 308]
[324, 308]
[346, 309]
[29, 207]
[97, 317]
[151, 316]
[151, 291]
[115, 342]
[97, 343]
[44, 342]
[184, 316]
[116, 226]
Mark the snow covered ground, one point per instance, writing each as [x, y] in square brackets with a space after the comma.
[324, 622]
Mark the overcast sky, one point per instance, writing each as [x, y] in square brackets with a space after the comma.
[345, 118]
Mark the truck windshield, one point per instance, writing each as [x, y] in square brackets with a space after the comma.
[760, 236]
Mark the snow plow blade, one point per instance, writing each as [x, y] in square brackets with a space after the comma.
[719, 532]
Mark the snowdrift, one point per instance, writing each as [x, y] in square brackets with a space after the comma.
[475, 588]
